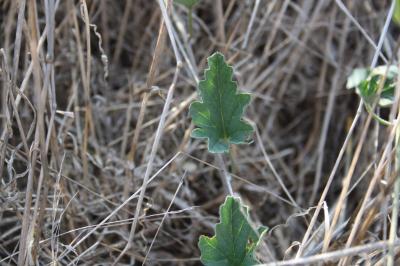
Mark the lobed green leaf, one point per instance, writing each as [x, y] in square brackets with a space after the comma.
[235, 239]
[218, 116]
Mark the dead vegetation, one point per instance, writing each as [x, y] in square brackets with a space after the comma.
[94, 120]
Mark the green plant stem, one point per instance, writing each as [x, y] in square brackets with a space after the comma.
[395, 207]
[375, 116]
[226, 177]
[233, 168]
[190, 22]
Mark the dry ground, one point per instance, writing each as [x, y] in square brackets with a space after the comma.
[87, 117]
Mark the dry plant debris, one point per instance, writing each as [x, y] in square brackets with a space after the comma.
[97, 163]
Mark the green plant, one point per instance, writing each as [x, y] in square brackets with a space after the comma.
[235, 239]
[189, 4]
[377, 86]
[218, 115]
[367, 82]
[374, 86]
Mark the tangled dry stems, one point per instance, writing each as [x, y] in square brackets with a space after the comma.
[82, 98]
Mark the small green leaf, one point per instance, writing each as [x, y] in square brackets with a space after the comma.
[235, 239]
[367, 83]
[382, 70]
[188, 3]
[355, 78]
[219, 115]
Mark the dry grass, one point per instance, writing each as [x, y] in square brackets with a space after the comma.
[96, 160]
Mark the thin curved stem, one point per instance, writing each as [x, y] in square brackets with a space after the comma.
[377, 117]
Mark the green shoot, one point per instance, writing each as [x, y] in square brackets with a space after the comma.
[367, 83]
[189, 4]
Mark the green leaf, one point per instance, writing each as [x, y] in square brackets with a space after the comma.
[355, 78]
[381, 71]
[367, 83]
[188, 3]
[218, 115]
[235, 240]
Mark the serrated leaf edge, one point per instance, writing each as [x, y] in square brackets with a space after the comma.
[237, 92]
[245, 211]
